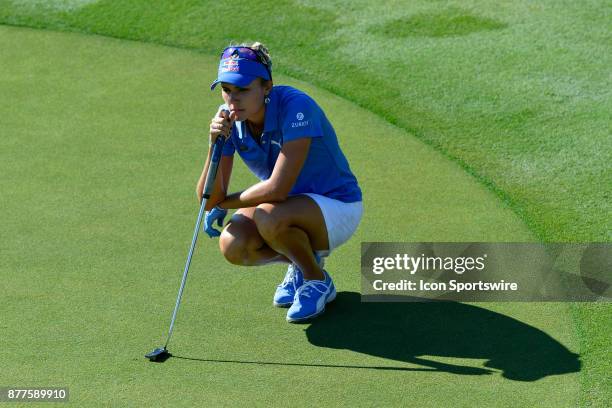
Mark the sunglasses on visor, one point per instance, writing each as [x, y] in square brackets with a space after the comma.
[247, 53]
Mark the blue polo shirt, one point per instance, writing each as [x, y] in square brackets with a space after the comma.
[291, 115]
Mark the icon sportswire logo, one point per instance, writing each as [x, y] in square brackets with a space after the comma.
[301, 122]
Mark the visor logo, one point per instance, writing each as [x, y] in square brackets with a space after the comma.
[299, 116]
[229, 66]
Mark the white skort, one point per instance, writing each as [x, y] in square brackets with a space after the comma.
[341, 219]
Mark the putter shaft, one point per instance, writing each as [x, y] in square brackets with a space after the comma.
[208, 186]
[186, 271]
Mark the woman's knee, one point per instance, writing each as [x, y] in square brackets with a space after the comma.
[269, 221]
[240, 237]
[233, 248]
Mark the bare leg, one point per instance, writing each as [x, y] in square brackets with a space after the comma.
[241, 243]
[287, 231]
[294, 228]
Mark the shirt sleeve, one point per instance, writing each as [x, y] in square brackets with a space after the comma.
[301, 118]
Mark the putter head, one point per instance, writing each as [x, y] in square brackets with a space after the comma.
[159, 355]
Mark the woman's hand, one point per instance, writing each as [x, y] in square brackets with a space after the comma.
[221, 125]
[216, 214]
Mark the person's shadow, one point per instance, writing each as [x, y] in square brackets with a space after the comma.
[408, 331]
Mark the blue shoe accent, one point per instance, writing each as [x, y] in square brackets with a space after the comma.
[283, 297]
[294, 278]
[310, 299]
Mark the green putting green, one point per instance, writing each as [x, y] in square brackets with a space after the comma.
[101, 144]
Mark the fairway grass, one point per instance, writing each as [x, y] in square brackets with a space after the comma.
[102, 143]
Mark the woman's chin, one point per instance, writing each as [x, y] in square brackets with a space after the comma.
[240, 115]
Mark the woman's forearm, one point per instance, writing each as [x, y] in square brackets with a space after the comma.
[262, 192]
[218, 191]
[202, 179]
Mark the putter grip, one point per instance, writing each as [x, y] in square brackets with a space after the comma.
[212, 168]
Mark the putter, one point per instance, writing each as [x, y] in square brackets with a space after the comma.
[161, 354]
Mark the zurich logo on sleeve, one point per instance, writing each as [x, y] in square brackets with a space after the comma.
[301, 122]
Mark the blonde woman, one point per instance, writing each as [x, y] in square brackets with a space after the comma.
[307, 202]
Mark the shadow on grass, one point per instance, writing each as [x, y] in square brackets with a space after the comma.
[408, 331]
[390, 368]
